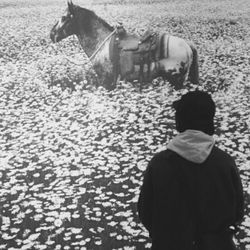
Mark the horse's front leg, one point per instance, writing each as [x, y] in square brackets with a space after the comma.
[141, 73]
[110, 82]
[150, 72]
[117, 80]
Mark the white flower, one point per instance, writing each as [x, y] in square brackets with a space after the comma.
[58, 222]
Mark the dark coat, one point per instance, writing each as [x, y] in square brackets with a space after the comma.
[180, 201]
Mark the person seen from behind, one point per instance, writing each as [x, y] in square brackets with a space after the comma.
[191, 197]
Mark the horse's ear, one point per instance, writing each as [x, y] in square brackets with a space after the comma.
[71, 7]
[70, 2]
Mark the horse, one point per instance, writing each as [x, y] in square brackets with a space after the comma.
[117, 55]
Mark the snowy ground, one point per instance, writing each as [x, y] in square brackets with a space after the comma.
[72, 162]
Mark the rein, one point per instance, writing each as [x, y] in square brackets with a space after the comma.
[95, 52]
[104, 41]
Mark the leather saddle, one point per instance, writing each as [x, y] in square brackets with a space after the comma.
[133, 50]
[146, 42]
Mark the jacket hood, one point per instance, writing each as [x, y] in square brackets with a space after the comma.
[192, 145]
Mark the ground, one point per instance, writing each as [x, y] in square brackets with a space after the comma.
[72, 162]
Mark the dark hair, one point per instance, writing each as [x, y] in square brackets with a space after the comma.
[195, 110]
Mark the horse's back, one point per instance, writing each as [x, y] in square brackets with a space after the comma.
[160, 54]
[175, 47]
[175, 53]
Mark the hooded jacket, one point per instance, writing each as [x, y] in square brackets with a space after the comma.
[192, 145]
[191, 189]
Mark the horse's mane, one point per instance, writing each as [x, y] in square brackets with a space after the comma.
[90, 15]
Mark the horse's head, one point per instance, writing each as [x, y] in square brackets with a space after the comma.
[66, 25]
[77, 20]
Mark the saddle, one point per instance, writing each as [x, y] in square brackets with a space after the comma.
[139, 45]
[130, 50]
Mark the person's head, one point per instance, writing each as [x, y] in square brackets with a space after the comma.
[195, 110]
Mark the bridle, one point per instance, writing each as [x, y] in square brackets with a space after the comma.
[68, 19]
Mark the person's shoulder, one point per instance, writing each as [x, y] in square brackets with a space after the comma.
[221, 154]
[162, 155]
[159, 160]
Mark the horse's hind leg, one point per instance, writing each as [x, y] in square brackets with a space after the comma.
[149, 73]
[141, 75]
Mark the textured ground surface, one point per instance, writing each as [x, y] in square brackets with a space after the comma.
[72, 163]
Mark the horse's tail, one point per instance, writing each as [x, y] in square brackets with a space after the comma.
[194, 69]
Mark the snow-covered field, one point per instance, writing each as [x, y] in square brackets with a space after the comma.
[72, 162]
